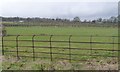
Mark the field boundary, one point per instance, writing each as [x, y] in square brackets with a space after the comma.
[50, 47]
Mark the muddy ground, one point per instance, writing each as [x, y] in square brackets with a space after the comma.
[94, 64]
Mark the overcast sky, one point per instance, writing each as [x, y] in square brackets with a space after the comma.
[85, 9]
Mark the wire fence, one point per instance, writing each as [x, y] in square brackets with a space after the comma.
[62, 25]
[68, 47]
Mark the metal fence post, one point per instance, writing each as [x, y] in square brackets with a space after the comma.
[91, 44]
[2, 45]
[70, 48]
[113, 44]
[33, 47]
[17, 45]
[51, 47]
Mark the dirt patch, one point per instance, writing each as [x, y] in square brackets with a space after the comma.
[93, 64]
[1, 57]
[107, 64]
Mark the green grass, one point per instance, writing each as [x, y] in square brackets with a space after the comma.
[97, 31]
[64, 30]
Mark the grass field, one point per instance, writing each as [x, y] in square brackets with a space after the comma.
[102, 31]
[12, 63]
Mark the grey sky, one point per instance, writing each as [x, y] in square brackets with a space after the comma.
[60, 8]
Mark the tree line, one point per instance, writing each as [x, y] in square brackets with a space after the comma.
[112, 19]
